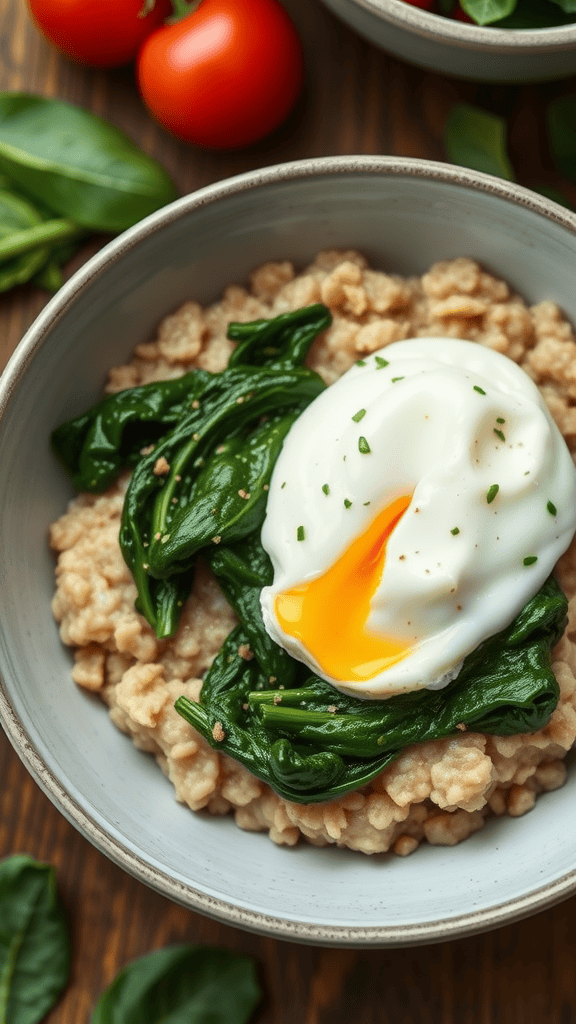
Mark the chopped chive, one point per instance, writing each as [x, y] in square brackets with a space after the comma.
[394, 379]
[363, 446]
[455, 531]
[492, 492]
[347, 503]
[359, 415]
[530, 559]
[499, 434]
[499, 419]
[380, 362]
[283, 485]
[479, 390]
[552, 508]
[300, 533]
[326, 488]
[360, 362]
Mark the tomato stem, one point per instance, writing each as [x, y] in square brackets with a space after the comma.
[182, 9]
[147, 8]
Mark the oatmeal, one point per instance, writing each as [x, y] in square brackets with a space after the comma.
[440, 791]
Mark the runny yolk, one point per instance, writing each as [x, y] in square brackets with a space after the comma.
[329, 614]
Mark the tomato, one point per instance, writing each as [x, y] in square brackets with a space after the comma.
[103, 33]
[460, 15]
[424, 5]
[224, 76]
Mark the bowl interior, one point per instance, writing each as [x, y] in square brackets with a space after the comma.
[404, 220]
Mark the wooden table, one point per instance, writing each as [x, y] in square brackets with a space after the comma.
[357, 100]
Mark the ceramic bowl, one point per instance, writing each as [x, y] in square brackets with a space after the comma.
[486, 54]
[404, 214]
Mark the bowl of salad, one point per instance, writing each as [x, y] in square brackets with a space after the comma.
[497, 40]
[220, 441]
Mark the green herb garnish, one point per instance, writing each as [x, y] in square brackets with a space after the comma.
[492, 492]
[300, 533]
[347, 503]
[530, 560]
[326, 488]
[552, 508]
[381, 362]
[359, 415]
[479, 389]
[499, 434]
[455, 531]
[363, 446]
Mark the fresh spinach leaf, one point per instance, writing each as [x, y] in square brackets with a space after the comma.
[535, 14]
[16, 215]
[485, 12]
[50, 277]
[474, 138]
[561, 123]
[76, 163]
[182, 985]
[34, 944]
[568, 6]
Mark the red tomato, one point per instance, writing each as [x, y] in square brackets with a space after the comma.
[424, 5]
[226, 75]
[460, 15]
[103, 33]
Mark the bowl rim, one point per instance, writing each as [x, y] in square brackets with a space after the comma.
[486, 38]
[186, 894]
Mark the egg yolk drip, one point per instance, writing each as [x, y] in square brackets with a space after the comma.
[329, 614]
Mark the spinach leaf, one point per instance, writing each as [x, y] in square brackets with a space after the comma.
[34, 944]
[535, 14]
[485, 12]
[294, 740]
[568, 6]
[473, 138]
[182, 985]
[221, 452]
[95, 446]
[76, 163]
[242, 570]
[17, 214]
[561, 123]
[227, 498]
[50, 276]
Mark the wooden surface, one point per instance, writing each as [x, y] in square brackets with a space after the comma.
[357, 100]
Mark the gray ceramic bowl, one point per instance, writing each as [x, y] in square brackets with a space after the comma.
[456, 48]
[404, 214]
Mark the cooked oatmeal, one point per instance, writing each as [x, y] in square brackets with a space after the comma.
[440, 791]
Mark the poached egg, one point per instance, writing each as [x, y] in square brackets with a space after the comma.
[415, 507]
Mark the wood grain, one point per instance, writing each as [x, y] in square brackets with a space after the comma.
[357, 100]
